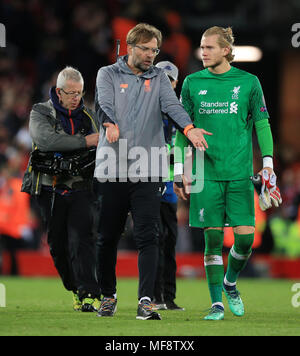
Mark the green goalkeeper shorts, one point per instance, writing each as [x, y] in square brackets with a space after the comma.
[221, 203]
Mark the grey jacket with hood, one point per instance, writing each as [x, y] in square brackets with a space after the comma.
[48, 135]
[136, 104]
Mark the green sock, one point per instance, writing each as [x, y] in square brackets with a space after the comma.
[214, 276]
[238, 256]
[213, 262]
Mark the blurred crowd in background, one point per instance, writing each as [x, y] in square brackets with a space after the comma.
[45, 36]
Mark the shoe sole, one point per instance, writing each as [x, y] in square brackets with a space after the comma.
[210, 319]
[238, 314]
[153, 316]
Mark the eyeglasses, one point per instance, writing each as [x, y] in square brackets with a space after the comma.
[74, 94]
[154, 51]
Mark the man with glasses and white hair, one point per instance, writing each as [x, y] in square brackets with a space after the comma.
[130, 98]
[63, 127]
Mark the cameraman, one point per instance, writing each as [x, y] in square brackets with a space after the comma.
[63, 125]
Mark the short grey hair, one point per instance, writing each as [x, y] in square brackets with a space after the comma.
[69, 73]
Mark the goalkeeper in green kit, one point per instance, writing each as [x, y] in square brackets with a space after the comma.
[228, 102]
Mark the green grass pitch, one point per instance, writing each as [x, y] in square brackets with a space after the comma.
[41, 306]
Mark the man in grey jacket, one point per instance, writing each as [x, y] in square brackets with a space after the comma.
[63, 126]
[131, 96]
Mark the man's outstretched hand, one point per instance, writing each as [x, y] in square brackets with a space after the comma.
[196, 136]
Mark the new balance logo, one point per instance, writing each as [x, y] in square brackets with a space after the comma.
[233, 108]
[202, 92]
[201, 215]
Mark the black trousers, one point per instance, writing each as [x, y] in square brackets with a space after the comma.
[142, 199]
[71, 239]
[11, 245]
[165, 284]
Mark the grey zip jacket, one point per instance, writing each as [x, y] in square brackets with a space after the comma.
[136, 104]
[48, 135]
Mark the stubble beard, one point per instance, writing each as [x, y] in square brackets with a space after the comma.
[141, 67]
[214, 65]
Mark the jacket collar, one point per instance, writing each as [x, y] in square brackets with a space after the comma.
[47, 108]
[57, 105]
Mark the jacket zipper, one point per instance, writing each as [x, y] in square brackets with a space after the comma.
[93, 122]
[72, 123]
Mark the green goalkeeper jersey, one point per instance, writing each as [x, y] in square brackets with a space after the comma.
[227, 105]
